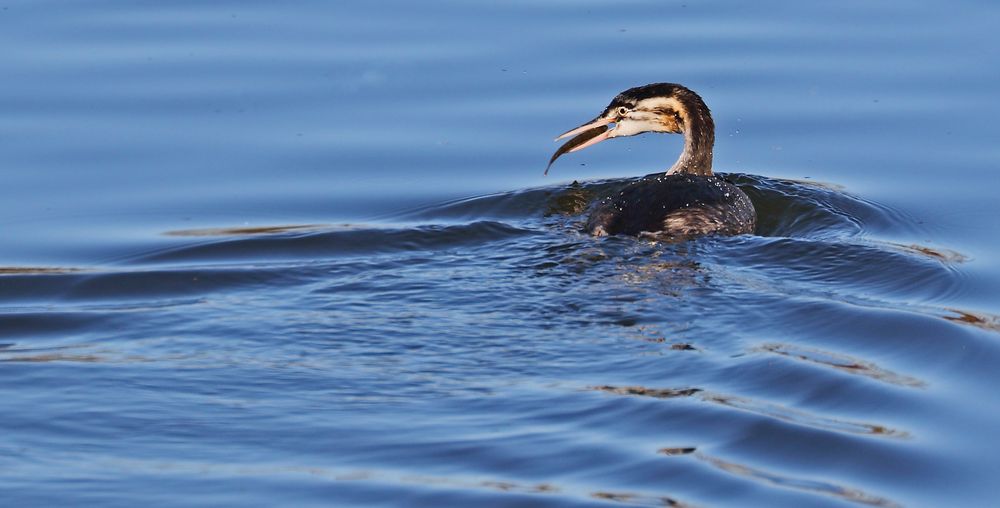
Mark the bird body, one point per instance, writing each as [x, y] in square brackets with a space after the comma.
[684, 201]
[678, 205]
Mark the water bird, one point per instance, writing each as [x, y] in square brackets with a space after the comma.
[685, 201]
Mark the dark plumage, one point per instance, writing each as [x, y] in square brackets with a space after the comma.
[686, 200]
[681, 205]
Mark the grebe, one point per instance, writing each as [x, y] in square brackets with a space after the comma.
[686, 200]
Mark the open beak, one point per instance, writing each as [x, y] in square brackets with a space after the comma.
[585, 135]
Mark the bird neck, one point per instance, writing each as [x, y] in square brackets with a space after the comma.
[699, 139]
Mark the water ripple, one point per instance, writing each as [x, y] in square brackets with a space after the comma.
[262, 255]
[277, 243]
[789, 482]
[842, 363]
[760, 408]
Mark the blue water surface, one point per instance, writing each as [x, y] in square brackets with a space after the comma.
[303, 254]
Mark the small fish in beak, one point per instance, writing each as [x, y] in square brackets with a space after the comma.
[585, 135]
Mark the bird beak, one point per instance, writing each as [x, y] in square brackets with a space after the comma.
[597, 122]
[586, 135]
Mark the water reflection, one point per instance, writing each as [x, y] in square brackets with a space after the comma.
[37, 270]
[940, 254]
[53, 357]
[638, 500]
[842, 363]
[676, 451]
[761, 408]
[799, 417]
[808, 485]
[979, 320]
[659, 393]
[249, 230]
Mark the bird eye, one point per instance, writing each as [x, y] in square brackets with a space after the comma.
[622, 111]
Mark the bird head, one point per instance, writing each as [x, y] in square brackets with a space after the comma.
[659, 107]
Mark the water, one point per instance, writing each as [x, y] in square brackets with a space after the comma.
[266, 254]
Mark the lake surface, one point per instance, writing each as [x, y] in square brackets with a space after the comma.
[303, 254]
